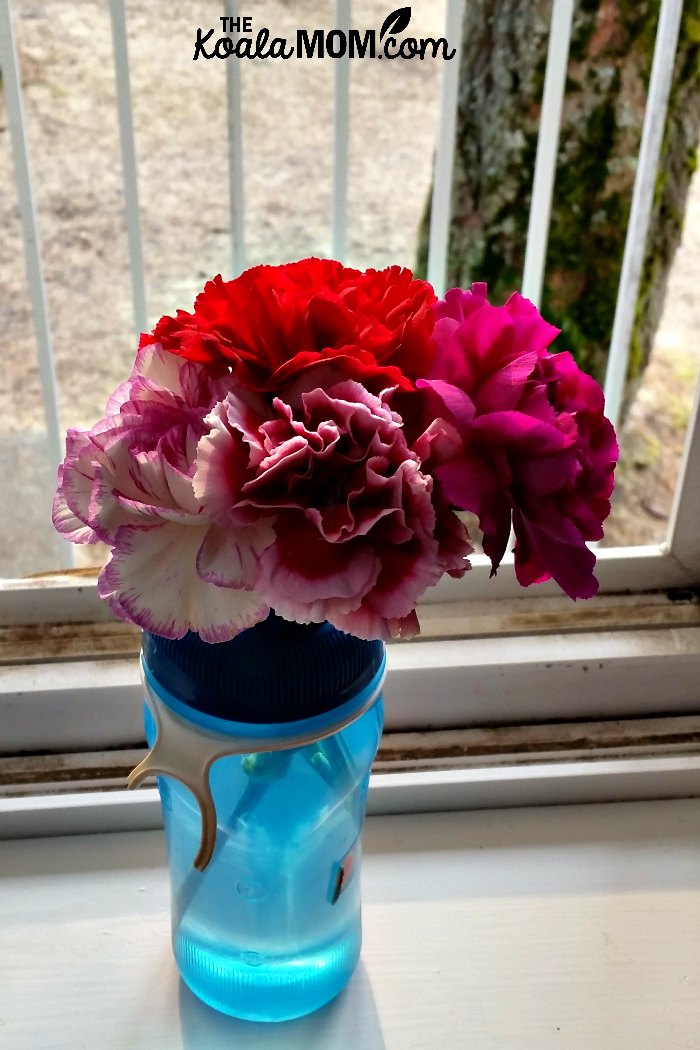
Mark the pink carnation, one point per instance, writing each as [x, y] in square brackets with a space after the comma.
[128, 482]
[358, 538]
[535, 442]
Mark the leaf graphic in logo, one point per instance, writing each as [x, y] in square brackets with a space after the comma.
[397, 21]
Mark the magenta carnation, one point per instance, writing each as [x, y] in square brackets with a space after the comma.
[128, 482]
[535, 442]
[358, 538]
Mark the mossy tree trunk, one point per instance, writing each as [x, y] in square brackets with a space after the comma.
[501, 81]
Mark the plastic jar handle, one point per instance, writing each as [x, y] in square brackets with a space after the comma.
[187, 751]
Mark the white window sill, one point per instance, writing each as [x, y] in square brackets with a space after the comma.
[572, 927]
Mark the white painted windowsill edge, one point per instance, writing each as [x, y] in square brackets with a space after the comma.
[538, 784]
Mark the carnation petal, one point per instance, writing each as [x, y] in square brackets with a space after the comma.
[302, 568]
[521, 434]
[66, 522]
[408, 570]
[229, 557]
[486, 334]
[222, 464]
[533, 332]
[471, 484]
[459, 303]
[152, 579]
[480, 487]
[451, 362]
[553, 549]
[181, 488]
[457, 405]
[76, 488]
[544, 475]
[504, 389]
[147, 512]
[438, 443]
[106, 513]
[365, 623]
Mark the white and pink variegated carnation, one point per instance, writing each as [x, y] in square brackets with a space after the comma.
[128, 483]
[360, 531]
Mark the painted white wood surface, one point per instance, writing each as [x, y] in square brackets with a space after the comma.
[567, 927]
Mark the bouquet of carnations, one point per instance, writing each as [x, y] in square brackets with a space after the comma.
[303, 440]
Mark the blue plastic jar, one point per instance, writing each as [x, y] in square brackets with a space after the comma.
[271, 928]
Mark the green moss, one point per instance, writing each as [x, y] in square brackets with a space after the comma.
[584, 254]
[647, 452]
[680, 410]
[636, 357]
[691, 27]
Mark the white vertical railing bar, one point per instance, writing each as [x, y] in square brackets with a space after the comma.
[341, 130]
[235, 149]
[438, 242]
[30, 231]
[547, 146]
[129, 172]
[683, 540]
[642, 201]
[546, 157]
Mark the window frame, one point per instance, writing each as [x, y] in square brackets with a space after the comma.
[630, 658]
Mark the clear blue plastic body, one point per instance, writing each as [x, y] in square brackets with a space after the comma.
[271, 929]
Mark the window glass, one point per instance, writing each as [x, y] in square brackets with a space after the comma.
[653, 433]
[179, 106]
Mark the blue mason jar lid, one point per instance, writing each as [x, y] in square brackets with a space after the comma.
[275, 672]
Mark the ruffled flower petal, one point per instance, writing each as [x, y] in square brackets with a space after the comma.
[356, 530]
[151, 579]
[66, 522]
[535, 442]
[272, 323]
[230, 557]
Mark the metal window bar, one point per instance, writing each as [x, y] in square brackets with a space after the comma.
[547, 146]
[30, 231]
[341, 127]
[642, 201]
[438, 241]
[539, 219]
[129, 167]
[235, 149]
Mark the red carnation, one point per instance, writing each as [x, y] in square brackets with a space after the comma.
[273, 322]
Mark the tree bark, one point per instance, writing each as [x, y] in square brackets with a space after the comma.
[501, 80]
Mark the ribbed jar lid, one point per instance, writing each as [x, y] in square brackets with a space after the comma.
[274, 672]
